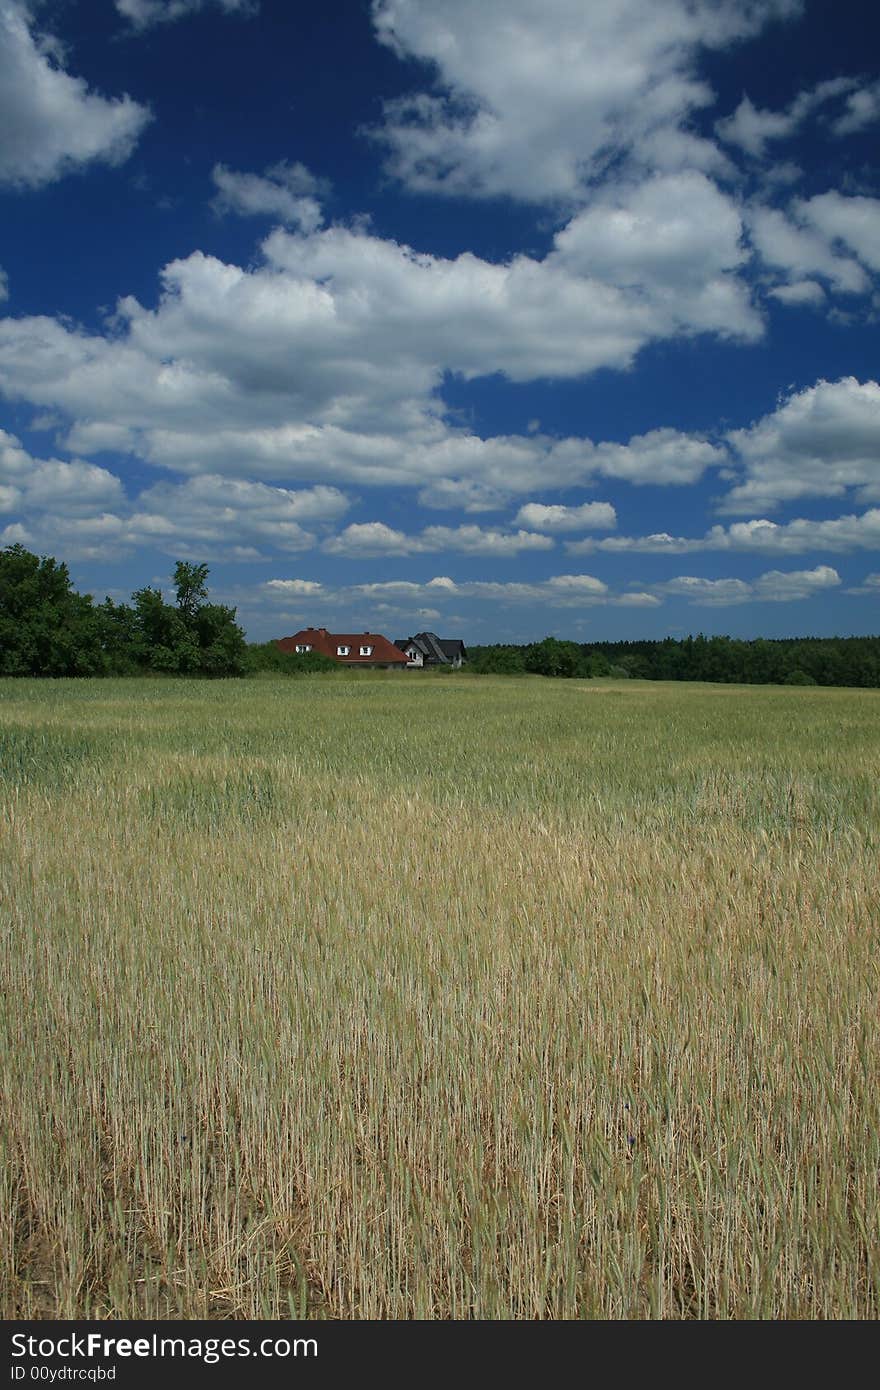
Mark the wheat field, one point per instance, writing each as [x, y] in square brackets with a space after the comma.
[409, 997]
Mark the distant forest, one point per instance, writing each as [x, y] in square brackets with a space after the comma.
[851, 661]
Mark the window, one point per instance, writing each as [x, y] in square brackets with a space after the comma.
[302, 647]
[343, 651]
[366, 651]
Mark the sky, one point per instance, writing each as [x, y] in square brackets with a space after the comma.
[495, 319]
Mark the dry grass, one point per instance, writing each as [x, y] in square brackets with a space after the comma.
[439, 998]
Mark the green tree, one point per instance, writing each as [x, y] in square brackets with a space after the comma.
[192, 637]
[46, 627]
[190, 586]
[164, 641]
[554, 658]
[221, 645]
[268, 656]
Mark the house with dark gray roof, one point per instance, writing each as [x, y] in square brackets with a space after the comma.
[427, 649]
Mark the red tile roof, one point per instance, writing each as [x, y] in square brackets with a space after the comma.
[320, 640]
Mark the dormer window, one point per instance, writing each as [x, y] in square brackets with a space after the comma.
[303, 647]
[366, 651]
[342, 651]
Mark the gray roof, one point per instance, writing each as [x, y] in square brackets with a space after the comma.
[432, 642]
[404, 642]
[453, 648]
[443, 650]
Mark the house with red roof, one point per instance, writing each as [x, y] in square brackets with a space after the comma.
[368, 649]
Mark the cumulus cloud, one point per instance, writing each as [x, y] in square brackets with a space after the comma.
[590, 516]
[537, 102]
[228, 511]
[372, 538]
[375, 538]
[870, 586]
[473, 540]
[819, 442]
[773, 587]
[842, 534]
[559, 591]
[788, 244]
[286, 192]
[295, 588]
[326, 363]
[752, 129]
[461, 494]
[675, 239]
[707, 593]
[807, 292]
[84, 507]
[777, 586]
[852, 221]
[143, 14]
[862, 110]
[663, 457]
[30, 484]
[50, 122]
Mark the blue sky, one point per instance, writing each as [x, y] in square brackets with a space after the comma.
[498, 319]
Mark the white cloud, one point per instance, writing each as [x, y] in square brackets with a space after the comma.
[375, 538]
[662, 457]
[231, 510]
[50, 122]
[591, 516]
[862, 109]
[536, 102]
[577, 584]
[853, 221]
[372, 538]
[299, 588]
[473, 540]
[391, 588]
[286, 192]
[801, 251]
[99, 437]
[222, 517]
[819, 442]
[461, 494]
[842, 534]
[637, 600]
[29, 484]
[707, 593]
[777, 586]
[559, 591]
[143, 14]
[326, 363]
[870, 586]
[772, 587]
[751, 129]
[801, 292]
[676, 240]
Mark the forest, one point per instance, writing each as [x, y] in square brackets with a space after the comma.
[843, 661]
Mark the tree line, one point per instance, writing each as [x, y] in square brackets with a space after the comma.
[48, 629]
[847, 661]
